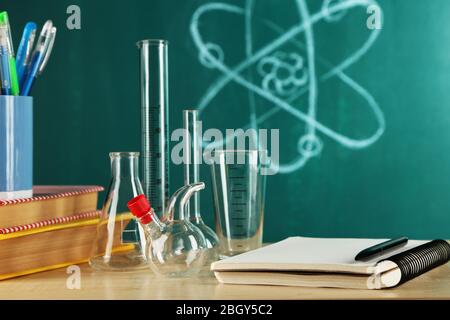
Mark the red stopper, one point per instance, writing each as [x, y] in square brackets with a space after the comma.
[141, 209]
[146, 219]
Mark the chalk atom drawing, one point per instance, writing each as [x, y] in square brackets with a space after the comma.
[287, 75]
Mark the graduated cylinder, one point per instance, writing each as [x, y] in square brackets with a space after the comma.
[154, 122]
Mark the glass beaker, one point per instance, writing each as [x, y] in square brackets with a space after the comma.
[239, 198]
[155, 122]
[120, 241]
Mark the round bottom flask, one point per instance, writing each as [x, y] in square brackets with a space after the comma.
[175, 247]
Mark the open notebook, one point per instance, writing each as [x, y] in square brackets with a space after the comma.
[314, 262]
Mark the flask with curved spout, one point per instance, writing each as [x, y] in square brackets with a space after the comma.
[175, 247]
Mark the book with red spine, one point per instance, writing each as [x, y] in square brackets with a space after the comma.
[55, 243]
[51, 222]
[49, 202]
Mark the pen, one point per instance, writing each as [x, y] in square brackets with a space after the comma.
[4, 72]
[48, 51]
[8, 50]
[24, 51]
[38, 57]
[381, 249]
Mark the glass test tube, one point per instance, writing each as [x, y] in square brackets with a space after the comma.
[193, 155]
[154, 122]
[192, 159]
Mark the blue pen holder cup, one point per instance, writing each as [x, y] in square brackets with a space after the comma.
[16, 147]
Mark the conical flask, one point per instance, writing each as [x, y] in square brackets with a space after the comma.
[120, 241]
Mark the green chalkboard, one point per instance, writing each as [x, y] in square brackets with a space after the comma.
[363, 113]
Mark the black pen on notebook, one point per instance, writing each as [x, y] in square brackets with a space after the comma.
[381, 249]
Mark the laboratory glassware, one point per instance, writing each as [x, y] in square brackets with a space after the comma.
[175, 247]
[239, 198]
[154, 122]
[193, 154]
[120, 241]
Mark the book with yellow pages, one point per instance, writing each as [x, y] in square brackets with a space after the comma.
[49, 202]
[315, 262]
[52, 244]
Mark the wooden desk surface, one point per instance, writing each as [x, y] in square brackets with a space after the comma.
[144, 285]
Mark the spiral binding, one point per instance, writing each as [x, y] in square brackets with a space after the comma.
[421, 259]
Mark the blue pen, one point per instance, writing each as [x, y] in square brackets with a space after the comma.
[24, 51]
[5, 75]
[38, 57]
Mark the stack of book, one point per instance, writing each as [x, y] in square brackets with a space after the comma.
[54, 229]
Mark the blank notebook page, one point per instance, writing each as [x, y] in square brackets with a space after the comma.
[309, 253]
